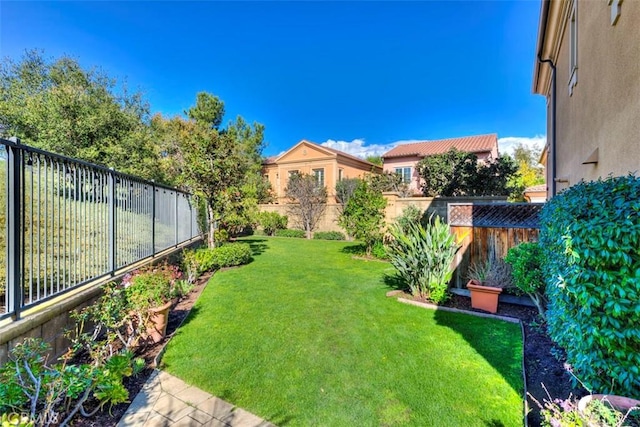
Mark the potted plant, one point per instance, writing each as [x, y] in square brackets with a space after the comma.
[150, 294]
[486, 281]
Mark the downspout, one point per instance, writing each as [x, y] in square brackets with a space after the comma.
[552, 145]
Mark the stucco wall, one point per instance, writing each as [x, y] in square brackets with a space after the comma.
[604, 110]
[392, 163]
[395, 206]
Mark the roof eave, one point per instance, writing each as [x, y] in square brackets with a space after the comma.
[542, 30]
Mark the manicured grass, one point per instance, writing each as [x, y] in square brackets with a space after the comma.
[304, 335]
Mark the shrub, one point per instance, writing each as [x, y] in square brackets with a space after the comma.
[221, 236]
[291, 233]
[526, 271]
[210, 259]
[363, 215]
[272, 221]
[423, 256]
[590, 235]
[410, 215]
[378, 250]
[329, 235]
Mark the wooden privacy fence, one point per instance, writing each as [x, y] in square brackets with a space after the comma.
[488, 231]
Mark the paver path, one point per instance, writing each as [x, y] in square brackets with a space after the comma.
[166, 401]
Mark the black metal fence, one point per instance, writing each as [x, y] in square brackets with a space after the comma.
[69, 222]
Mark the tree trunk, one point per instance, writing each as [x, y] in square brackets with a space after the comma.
[211, 241]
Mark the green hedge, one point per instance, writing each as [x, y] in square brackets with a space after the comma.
[209, 259]
[590, 235]
[291, 233]
[328, 235]
[272, 221]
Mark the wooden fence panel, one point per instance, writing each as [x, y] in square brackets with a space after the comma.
[481, 243]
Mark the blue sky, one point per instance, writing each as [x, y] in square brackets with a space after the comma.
[358, 76]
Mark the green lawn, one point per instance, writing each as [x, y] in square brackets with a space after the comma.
[304, 335]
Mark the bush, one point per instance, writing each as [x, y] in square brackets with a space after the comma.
[210, 259]
[590, 235]
[378, 250]
[329, 235]
[410, 215]
[221, 236]
[272, 221]
[423, 257]
[363, 215]
[291, 233]
[526, 270]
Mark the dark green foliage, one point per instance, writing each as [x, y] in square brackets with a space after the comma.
[526, 270]
[590, 235]
[272, 221]
[363, 216]
[423, 256]
[56, 105]
[329, 235]
[378, 250]
[291, 233]
[458, 173]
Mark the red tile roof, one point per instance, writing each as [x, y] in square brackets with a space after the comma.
[473, 144]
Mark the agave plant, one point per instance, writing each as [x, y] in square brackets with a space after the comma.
[423, 256]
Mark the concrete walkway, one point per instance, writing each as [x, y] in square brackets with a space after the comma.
[166, 401]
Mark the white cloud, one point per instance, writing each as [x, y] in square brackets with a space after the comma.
[507, 144]
[358, 147]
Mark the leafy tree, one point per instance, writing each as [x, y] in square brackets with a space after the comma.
[363, 215]
[530, 173]
[219, 165]
[376, 160]
[308, 201]
[458, 173]
[447, 174]
[58, 106]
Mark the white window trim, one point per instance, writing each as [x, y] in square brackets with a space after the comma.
[573, 46]
[401, 171]
[319, 179]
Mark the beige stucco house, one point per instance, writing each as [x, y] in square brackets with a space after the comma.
[327, 164]
[403, 158]
[588, 68]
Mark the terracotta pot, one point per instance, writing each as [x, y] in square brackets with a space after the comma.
[484, 297]
[619, 403]
[158, 319]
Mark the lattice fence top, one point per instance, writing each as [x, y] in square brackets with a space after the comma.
[509, 215]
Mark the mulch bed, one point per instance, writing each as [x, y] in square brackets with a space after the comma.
[541, 366]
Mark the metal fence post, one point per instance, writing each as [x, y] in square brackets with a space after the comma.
[176, 219]
[153, 219]
[112, 221]
[14, 228]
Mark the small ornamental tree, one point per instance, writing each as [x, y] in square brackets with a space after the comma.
[590, 235]
[526, 271]
[363, 216]
[308, 201]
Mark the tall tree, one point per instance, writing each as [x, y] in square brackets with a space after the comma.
[530, 172]
[219, 165]
[376, 160]
[58, 106]
[308, 201]
[458, 173]
[344, 191]
[363, 215]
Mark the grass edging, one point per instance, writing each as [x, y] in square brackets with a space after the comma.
[489, 316]
[457, 310]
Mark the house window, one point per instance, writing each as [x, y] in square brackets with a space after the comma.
[573, 47]
[340, 174]
[405, 173]
[319, 175]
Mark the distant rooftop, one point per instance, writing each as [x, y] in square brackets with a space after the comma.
[470, 144]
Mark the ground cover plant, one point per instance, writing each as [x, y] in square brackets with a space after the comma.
[305, 335]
